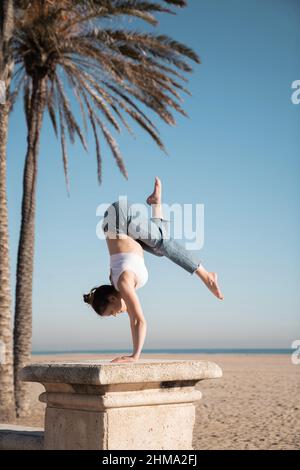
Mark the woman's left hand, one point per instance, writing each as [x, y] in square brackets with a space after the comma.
[125, 359]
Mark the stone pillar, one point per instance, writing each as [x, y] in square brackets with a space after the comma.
[101, 405]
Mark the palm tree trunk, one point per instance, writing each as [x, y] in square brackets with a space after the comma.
[25, 262]
[7, 403]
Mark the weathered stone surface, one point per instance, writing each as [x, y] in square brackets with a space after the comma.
[104, 372]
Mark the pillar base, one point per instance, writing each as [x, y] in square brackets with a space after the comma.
[99, 405]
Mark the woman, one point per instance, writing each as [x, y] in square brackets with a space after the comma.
[126, 239]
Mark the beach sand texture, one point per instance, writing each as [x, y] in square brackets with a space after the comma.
[255, 405]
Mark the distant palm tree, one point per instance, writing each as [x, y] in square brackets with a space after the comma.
[7, 406]
[108, 70]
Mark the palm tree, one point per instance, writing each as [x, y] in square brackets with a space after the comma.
[110, 72]
[7, 408]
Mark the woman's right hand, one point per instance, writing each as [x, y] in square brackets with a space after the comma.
[124, 359]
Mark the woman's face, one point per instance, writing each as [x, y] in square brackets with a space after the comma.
[116, 305]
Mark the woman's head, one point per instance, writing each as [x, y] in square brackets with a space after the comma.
[105, 300]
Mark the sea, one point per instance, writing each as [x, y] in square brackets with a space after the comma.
[169, 351]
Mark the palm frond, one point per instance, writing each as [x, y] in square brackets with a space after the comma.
[64, 148]
[113, 73]
[51, 105]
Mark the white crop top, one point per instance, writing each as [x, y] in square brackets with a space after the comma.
[120, 262]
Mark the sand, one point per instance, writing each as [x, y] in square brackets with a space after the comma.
[255, 405]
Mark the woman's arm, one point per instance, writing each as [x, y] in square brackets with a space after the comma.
[138, 330]
[138, 322]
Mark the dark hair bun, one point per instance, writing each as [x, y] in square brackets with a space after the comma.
[88, 298]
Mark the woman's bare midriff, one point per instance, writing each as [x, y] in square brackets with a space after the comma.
[123, 244]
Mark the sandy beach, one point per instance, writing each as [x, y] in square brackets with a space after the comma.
[255, 405]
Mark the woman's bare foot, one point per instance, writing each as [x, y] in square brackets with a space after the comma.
[155, 197]
[210, 280]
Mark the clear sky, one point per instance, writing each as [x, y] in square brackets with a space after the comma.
[237, 153]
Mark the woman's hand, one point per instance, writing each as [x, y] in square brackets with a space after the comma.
[125, 359]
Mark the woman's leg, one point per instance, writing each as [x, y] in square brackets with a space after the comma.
[176, 252]
[153, 235]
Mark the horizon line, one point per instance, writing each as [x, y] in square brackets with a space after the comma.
[170, 351]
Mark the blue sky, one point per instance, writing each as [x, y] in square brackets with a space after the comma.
[237, 153]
